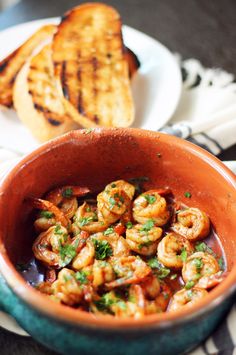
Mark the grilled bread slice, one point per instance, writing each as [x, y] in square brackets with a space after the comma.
[37, 101]
[10, 66]
[90, 67]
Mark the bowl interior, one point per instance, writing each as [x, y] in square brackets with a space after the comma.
[96, 158]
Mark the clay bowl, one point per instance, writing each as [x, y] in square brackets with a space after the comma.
[94, 158]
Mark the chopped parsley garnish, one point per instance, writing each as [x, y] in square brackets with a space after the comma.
[173, 277]
[81, 276]
[58, 230]
[67, 193]
[201, 246]
[146, 227]
[129, 225]
[88, 130]
[188, 194]
[46, 214]
[105, 302]
[189, 285]
[221, 263]
[190, 294]
[162, 271]
[102, 249]
[150, 199]
[113, 185]
[198, 263]
[166, 295]
[112, 201]
[85, 220]
[184, 255]
[67, 252]
[108, 231]
[145, 244]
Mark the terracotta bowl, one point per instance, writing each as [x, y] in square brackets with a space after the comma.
[94, 158]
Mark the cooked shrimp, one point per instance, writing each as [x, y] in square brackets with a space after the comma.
[57, 195]
[170, 249]
[150, 205]
[143, 240]
[44, 221]
[198, 265]
[118, 244]
[85, 257]
[151, 287]
[210, 281]
[130, 269]
[160, 303]
[186, 298]
[86, 219]
[47, 245]
[192, 224]
[102, 272]
[49, 206]
[115, 201]
[67, 288]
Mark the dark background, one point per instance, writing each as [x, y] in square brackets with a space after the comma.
[202, 29]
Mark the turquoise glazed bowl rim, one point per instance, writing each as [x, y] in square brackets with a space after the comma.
[66, 314]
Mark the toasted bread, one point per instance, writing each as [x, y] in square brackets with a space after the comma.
[90, 67]
[11, 65]
[37, 101]
[132, 61]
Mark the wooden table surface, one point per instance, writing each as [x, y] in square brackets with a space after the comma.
[194, 28]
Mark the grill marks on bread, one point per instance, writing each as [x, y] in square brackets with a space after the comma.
[88, 55]
[11, 65]
[37, 99]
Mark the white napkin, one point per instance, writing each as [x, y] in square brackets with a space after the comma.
[206, 114]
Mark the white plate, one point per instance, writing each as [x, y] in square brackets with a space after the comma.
[156, 87]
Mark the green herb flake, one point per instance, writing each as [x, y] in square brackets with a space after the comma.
[221, 263]
[81, 276]
[150, 199]
[129, 225]
[184, 255]
[112, 202]
[198, 263]
[88, 209]
[102, 249]
[58, 230]
[203, 247]
[189, 284]
[166, 295]
[190, 294]
[105, 302]
[67, 193]
[173, 277]
[85, 220]
[146, 227]
[188, 194]
[108, 231]
[67, 252]
[162, 272]
[88, 130]
[145, 244]
[46, 214]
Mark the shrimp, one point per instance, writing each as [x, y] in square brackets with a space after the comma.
[172, 249]
[199, 265]
[86, 219]
[151, 287]
[211, 281]
[85, 257]
[130, 269]
[102, 272]
[118, 244]
[50, 207]
[186, 298]
[115, 201]
[143, 240]
[192, 224]
[66, 288]
[160, 303]
[150, 205]
[47, 245]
